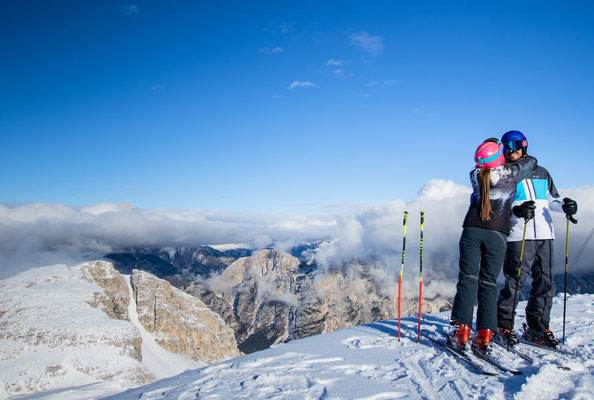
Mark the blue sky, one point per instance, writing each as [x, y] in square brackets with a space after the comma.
[283, 107]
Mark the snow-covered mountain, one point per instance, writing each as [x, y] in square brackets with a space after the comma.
[270, 296]
[368, 362]
[89, 325]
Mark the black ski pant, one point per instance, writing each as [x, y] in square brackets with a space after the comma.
[481, 256]
[538, 262]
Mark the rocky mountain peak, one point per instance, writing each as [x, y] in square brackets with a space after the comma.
[115, 297]
[181, 323]
[261, 263]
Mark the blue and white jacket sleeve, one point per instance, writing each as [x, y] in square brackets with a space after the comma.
[555, 201]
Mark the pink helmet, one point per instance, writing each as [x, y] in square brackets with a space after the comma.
[489, 154]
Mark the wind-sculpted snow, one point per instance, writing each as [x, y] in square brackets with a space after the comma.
[368, 362]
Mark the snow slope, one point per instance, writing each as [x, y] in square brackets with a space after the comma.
[368, 362]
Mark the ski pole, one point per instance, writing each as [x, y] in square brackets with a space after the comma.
[569, 218]
[421, 276]
[518, 280]
[401, 269]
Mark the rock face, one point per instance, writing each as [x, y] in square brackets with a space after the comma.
[271, 297]
[115, 297]
[181, 323]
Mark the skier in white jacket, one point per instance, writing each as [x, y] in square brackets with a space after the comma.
[537, 259]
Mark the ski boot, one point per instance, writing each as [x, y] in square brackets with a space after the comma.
[459, 336]
[508, 337]
[482, 341]
[543, 337]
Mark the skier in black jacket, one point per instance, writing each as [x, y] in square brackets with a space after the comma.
[483, 242]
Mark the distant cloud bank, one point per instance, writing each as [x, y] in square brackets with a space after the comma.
[36, 234]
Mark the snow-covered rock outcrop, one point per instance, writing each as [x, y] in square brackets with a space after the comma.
[181, 323]
[68, 326]
[55, 330]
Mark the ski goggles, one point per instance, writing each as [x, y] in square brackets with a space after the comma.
[512, 146]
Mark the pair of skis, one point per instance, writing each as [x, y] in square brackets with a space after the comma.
[460, 355]
[465, 357]
[420, 273]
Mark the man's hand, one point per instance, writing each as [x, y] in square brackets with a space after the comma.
[525, 210]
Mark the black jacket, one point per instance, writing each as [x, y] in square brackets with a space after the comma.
[503, 189]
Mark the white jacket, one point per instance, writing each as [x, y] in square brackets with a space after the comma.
[539, 187]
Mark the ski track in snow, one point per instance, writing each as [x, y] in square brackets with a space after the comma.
[369, 363]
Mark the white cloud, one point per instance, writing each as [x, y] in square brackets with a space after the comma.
[36, 234]
[342, 74]
[298, 84]
[275, 50]
[132, 9]
[336, 63]
[376, 232]
[280, 27]
[390, 82]
[373, 45]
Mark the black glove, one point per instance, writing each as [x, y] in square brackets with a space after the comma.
[525, 210]
[569, 206]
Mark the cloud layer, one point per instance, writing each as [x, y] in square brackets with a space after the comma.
[35, 234]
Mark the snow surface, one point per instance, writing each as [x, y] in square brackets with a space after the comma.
[369, 363]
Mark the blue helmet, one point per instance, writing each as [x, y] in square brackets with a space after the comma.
[513, 141]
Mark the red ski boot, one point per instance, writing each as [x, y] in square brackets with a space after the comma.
[459, 337]
[482, 341]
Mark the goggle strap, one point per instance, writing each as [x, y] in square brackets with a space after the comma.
[489, 159]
